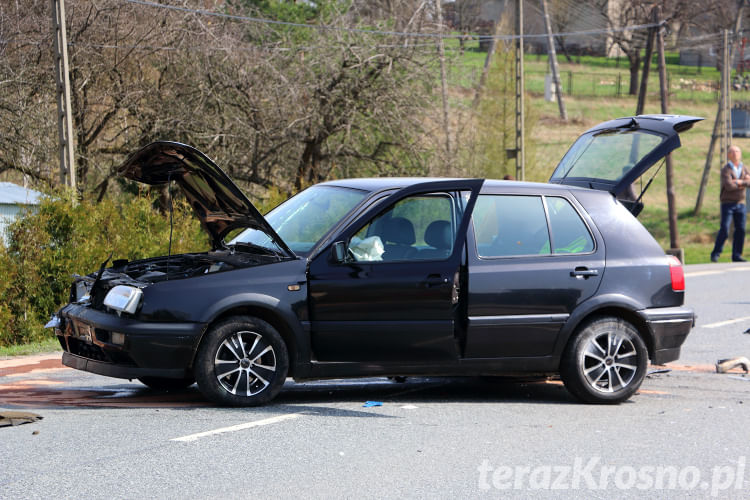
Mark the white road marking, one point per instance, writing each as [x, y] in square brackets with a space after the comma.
[717, 271]
[702, 273]
[239, 427]
[727, 322]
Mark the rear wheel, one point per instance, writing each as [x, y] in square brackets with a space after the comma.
[167, 384]
[605, 362]
[242, 361]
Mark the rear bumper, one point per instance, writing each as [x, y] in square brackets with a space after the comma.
[144, 349]
[670, 327]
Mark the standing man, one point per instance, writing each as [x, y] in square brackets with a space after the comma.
[734, 179]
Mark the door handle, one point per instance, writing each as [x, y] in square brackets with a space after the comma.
[584, 272]
[434, 280]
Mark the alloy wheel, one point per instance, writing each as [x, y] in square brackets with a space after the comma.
[245, 363]
[610, 362]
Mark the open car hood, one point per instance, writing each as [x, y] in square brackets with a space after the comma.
[216, 200]
[613, 155]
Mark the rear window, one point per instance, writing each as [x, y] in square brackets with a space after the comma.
[606, 155]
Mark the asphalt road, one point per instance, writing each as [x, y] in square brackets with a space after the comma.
[685, 435]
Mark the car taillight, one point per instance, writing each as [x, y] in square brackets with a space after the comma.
[676, 274]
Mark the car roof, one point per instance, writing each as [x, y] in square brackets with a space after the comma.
[381, 183]
[374, 184]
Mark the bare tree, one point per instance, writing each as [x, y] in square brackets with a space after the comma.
[26, 94]
[561, 18]
[622, 14]
[274, 105]
[464, 17]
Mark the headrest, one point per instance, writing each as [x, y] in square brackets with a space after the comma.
[399, 230]
[438, 235]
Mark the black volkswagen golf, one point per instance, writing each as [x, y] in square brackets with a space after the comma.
[397, 276]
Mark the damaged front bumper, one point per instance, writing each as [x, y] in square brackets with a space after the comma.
[123, 347]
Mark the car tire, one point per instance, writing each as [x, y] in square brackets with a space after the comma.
[242, 361]
[167, 384]
[605, 362]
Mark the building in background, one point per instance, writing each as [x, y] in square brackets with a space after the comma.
[14, 199]
[480, 16]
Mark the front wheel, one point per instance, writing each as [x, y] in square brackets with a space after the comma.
[242, 361]
[605, 362]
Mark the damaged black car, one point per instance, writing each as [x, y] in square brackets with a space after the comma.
[397, 276]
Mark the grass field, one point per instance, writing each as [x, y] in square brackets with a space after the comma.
[47, 345]
[691, 94]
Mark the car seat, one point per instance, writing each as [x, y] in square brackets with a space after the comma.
[440, 237]
[398, 238]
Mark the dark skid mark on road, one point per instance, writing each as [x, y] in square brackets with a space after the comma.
[27, 394]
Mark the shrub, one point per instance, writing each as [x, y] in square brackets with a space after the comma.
[47, 245]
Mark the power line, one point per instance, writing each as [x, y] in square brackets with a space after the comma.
[250, 49]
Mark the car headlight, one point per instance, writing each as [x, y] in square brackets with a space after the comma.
[123, 298]
[82, 291]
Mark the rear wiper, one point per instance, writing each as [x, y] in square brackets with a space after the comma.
[632, 125]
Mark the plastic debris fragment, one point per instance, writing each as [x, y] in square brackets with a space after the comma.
[724, 365]
[9, 418]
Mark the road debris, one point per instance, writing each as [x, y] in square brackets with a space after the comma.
[724, 365]
[658, 371]
[370, 404]
[10, 418]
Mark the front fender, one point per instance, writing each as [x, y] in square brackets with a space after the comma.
[285, 318]
[239, 300]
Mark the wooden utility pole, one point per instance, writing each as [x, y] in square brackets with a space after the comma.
[727, 92]
[674, 237]
[520, 157]
[647, 62]
[723, 143]
[64, 114]
[719, 112]
[709, 158]
[553, 63]
[443, 84]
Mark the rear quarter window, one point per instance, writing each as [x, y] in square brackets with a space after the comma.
[515, 225]
[569, 232]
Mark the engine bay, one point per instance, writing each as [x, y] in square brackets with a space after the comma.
[184, 265]
[141, 273]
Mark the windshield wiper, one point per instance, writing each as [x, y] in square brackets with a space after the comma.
[258, 248]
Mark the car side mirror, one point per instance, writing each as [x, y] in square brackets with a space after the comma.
[338, 252]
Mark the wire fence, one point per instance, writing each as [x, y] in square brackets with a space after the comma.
[616, 84]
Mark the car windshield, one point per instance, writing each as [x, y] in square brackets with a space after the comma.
[606, 155]
[304, 219]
